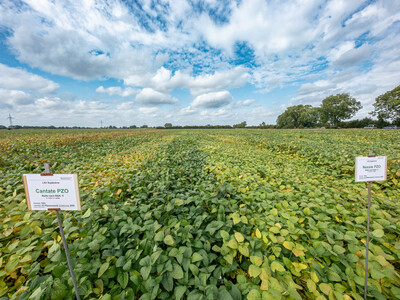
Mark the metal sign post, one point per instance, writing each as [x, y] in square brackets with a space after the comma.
[369, 169]
[48, 172]
[368, 218]
[48, 191]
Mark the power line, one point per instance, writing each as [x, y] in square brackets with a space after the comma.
[10, 119]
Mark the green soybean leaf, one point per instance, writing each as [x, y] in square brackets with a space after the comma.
[224, 235]
[87, 213]
[254, 295]
[325, 288]
[145, 272]
[159, 236]
[106, 297]
[254, 271]
[224, 294]
[12, 263]
[276, 266]
[54, 247]
[239, 237]
[232, 244]
[179, 292]
[378, 233]
[168, 282]
[37, 293]
[59, 271]
[123, 279]
[256, 260]
[307, 211]
[294, 294]
[338, 249]
[312, 287]
[102, 269]
[359, 220]
[169, 240]
[177, 272]
[196, 257]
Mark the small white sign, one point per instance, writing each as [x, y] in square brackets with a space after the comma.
[57, 191]
[371, 168]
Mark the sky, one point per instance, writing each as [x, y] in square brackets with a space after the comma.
[118, 62]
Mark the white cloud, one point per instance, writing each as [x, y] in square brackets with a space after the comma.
[235, 77]
[49, 104]
[222, 112]
[148, 113]
[246, 102]
[160, 81]
[184, 111]
[13, 98]
[107, 39]
[151, 97]
[187, 115]
[148, 110]
[15, 78]
[317, 86]
[164, 81]
[350, 56]
[269, 27]
[111, 91]
[117, 91]
[341, 49]
[212, 100]
[68, 55]
[261, 114]
[221, 116]
[85, 41]
[125, 106]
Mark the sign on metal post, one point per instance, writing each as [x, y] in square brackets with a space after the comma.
[368, 169]
[56, 192]
[371, 168]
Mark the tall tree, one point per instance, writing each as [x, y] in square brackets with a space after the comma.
[338, 108]
[387, 106]
[298, 116]
[310, 116]
[240, 125]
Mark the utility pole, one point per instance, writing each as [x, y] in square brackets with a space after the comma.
[101, 124]
[10, 119]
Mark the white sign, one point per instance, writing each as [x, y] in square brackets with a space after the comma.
[371, 168]
[57, 191]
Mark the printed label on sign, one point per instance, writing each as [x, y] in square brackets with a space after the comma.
[59, 191]
[371, 168]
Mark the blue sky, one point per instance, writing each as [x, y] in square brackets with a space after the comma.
[76, 63]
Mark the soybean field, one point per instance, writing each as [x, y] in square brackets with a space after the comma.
[202, 214]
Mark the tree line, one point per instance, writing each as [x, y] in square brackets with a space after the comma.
[335, 109]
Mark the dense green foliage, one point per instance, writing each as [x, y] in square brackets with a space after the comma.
[338, 108]
[299, 116]
[333, 110]
[240, 125]
[387, 106]
[271, 214]
[363, 123]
